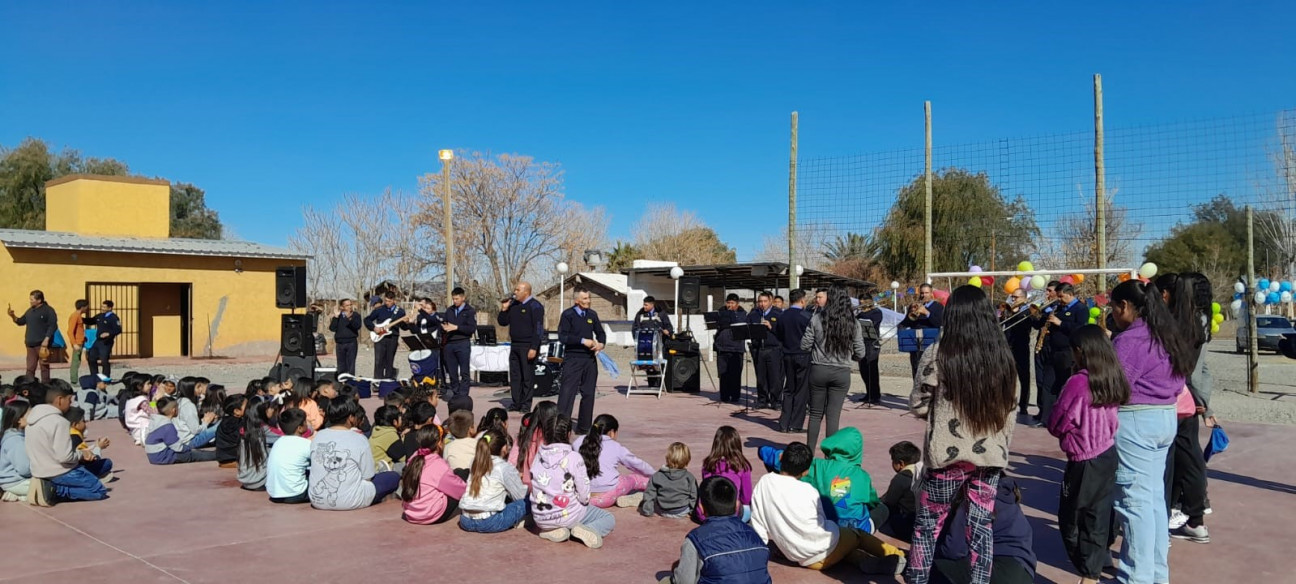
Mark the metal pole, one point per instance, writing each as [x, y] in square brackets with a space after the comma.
[792, 197]
[927, 199]
[449, 232]
[1100, 183]
[1253, 350]
[678, 326]
[562, 292]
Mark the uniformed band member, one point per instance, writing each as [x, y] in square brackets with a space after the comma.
[582, 336]
[870, 317]
[108, 327]
[767, 352]
[460, 324]
[345, 326]
[926, 314]
[1019, 340]
[1070, 315]
[796, 363]
[385, 348]
[524, 315]
[729, 353]
[1044, 357]
[649, 313]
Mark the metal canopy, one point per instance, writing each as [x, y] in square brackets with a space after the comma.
[756, 276]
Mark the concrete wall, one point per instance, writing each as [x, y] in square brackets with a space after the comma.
[108, 205]
[235, 308]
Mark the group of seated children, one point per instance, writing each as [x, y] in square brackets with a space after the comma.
[45, 456]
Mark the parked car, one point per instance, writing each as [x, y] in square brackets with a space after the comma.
[1270, 331]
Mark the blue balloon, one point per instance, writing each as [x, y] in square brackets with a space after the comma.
[1273, 298]
[1237, 296]
[1285, 286]
[1263, 284]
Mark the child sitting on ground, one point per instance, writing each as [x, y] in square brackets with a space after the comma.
[136, 411]
[76, 417]
[901, 496]
[342, 476]
[672, 490]
[289, 460]
[602, 455]
[162, 444]
[531, 436]
[460, 451]
[254, 446]
[386, 432]
[846, 489]
[230, 430]
[726, 460]
[560, 491]
[429, 489]
[92, 394]
[723, 548]
[787, 511]
[496, 498]
[59, 471]
[15, 468]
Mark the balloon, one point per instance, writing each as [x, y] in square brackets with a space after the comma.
[1012, 285]
[974, 281]
[1285, 296]
[1025, 267]
[1275, 286]
[975, 269]
[1263, 284]
[1285, 286]
[1123, 277]
[1214, 329]
[1078, 278]
[1038, 282]
[1148, 270]
[1095, 311]
[1218, 318]
[1067, 280]
[1239, 287]
[940, 295]
[1260, 297]
[1093, 320]
[1273, 298]
[987, 280]
[1215, 308]
[1236, 307]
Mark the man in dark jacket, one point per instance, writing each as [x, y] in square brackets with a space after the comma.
[796, 363]
[767, 353]
[460, 324]
[926, 314]
[524, 315]
[345, 326]
[729, 352]
[651, 313]
[1019, 340]
[41, 323]
[109, 326]
[386, 320]
[870, 317]
[1070, 315]
[582, 336]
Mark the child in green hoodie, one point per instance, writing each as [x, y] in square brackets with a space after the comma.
[846, 490]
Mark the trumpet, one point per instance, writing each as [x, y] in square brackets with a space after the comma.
[1016, 318]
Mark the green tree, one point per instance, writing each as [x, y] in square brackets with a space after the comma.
[1213, 243]
[622, 257]
[970, 217]
[850, 246]
[190, 216]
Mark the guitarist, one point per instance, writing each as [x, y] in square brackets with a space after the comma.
[524, 316]
[345, 326]
[460, 324]
[385, 320]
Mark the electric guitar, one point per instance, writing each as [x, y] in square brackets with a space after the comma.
[388, 326]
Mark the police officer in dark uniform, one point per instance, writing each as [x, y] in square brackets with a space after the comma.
[927, 314]
[1044, 357]
[796, 363]
[385, 348]
[582, 336]
[524, 315]
[870, 317]
[345, 326]
[729, 353]
[460, 324]
[426, 321]
[1070, 315]
[651, 313]
[767, 352]
[1019, 340]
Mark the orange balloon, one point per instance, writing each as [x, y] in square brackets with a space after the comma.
[1124, 277]
[1079, 278]
[1012, 284]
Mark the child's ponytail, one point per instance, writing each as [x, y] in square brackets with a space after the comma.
[490, 443]
[592, 447]
[428, 439]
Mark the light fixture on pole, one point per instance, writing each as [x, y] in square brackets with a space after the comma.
[562, 285]
[895, 296]
[446, 157]
[676, 273]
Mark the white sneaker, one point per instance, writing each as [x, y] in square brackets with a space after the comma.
[631, 500]
[1177, 519]
[556, 535]
[587, 536]
[11, 498]
[1197, 534]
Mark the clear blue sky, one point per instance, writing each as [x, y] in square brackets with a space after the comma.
[272, 107]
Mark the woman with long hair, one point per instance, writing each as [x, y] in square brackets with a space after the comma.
[966, 390]
[1158, 355]
[1189, 298]
[836, 344]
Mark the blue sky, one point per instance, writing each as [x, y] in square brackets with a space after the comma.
[270, 108]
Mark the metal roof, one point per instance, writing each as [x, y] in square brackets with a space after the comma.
[756, 276]
[615, 282]
[33, 239]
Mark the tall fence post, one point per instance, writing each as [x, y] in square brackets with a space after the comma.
[794, 280]
[1100, 184]
[927, 197]
[1253, 349]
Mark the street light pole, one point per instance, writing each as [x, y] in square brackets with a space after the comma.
[446, 157]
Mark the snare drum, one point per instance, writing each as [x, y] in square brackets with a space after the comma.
[555, 351]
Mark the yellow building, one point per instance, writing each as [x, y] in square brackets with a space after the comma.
[107, 239]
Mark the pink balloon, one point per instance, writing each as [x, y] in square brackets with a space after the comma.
[941, 295]
[1067, 280]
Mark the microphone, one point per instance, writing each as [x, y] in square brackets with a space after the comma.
[511, 298]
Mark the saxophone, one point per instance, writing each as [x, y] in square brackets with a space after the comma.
[1039, 341]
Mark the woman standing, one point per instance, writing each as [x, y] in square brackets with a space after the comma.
[836, 344]
[966, 390]
[1157, 355]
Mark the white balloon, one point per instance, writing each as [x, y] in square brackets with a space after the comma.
[1274, 286]
[1286, 296]
[1148, 270]
[1260, 297]
[1236, 307]
[1239, 287]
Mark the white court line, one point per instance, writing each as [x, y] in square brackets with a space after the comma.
[106, 544]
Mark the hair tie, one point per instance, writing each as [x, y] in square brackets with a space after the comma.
[486, 437]
[424, 452]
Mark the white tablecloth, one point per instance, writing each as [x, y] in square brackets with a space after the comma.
[492, 359]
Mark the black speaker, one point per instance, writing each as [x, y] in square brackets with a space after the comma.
[296, 335]
[294, 367]
[290, 287]
[690, 293]
[684, 372]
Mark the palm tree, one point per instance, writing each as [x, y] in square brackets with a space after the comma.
[852, 246]
[622, 257]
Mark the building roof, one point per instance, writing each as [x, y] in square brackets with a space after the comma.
[756, 276]
[618, 283]
[34, 239]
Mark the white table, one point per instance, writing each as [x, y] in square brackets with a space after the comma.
[493, 359]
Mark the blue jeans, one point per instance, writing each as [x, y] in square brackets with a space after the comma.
[204, 437]
[598, 521]
[503, 520]
[82, 483]
[1142, 441]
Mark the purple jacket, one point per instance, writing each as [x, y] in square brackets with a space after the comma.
[611, 455]
[1147, 367]
[740, 478]
[1084, 431]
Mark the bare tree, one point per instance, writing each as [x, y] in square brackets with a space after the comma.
[812, 246]
[1076, 246]
[511, 221]
[1276, 223]
[320, 237]
[668, 234]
